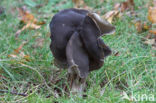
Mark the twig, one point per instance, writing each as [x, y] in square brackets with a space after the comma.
[15, 93]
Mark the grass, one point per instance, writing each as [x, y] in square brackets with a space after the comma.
[132, 72]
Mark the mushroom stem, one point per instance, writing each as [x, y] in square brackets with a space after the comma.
[77, 84]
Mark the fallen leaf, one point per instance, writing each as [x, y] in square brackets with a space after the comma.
[146, 26]
[138, 26]
[21, 55]
[110, 15]
[117, 54]
[152, 14]
[129, 4]
[32, 26]
[18, 53]
[12, 55]
[81, 3]
[118, 8]
[26, 17]
[150, 41]
[124, 6]
[27, 57]
[153, 31]
[29, 20]
[20, 47]
[27, 26]
[78, 3]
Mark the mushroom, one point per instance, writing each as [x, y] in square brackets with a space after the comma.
[76, 44]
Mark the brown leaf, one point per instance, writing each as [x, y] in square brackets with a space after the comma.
[26, 17]
[124, 6]
[153, 31]
[81, 3]
[29, 20]
[27, 57]
[138, 26]
[20, 47]
[12, 55]
[18, 53]
[129, 4]
[151, 42]
[146, 26]
[27, 26]
[117, 54]
[110, 15]
[152, 14]
[78, 3]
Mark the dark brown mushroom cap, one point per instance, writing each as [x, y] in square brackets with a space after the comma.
[76, 42]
